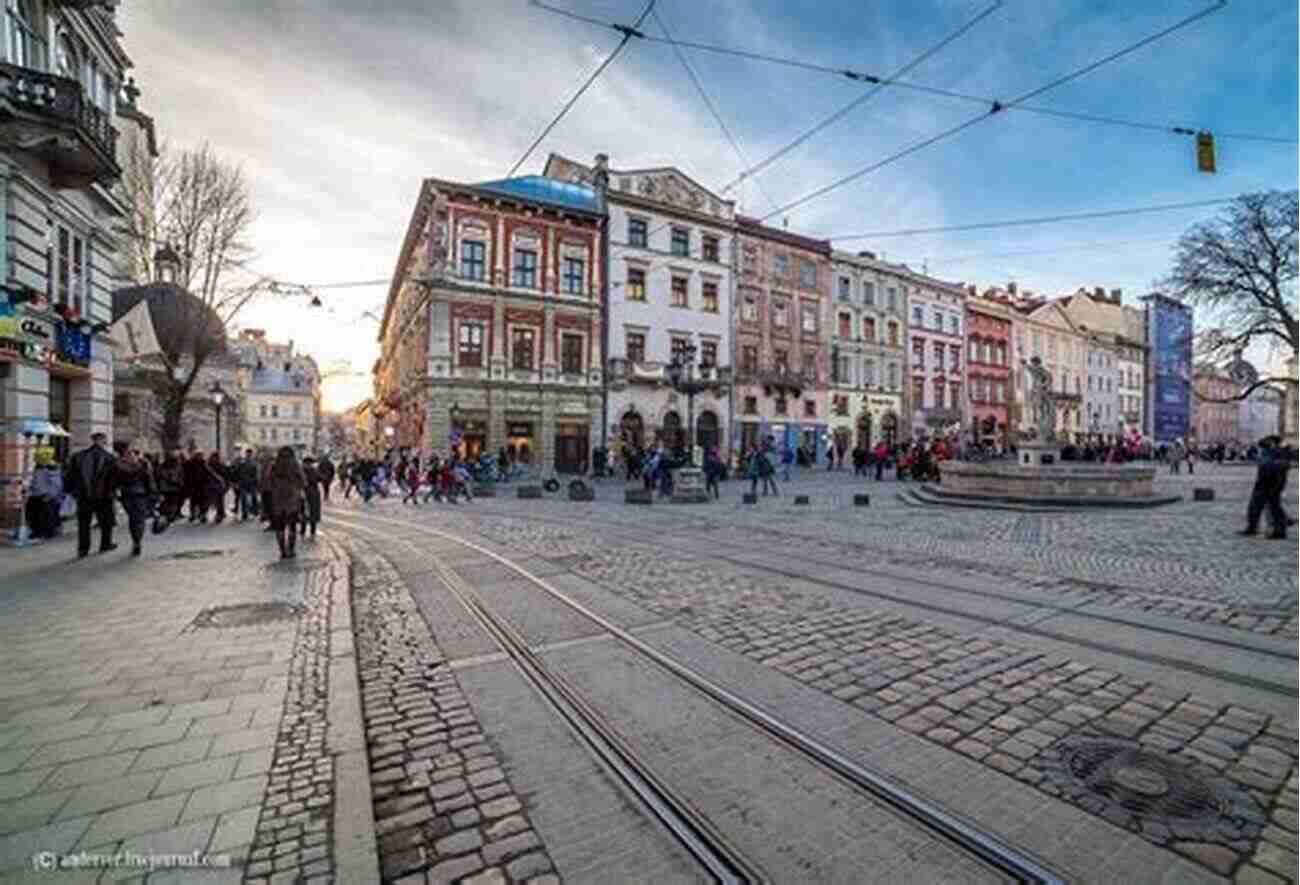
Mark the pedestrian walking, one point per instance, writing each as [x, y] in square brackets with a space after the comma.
[246, 478]
[89, 479]
[286, 487]
[135, 485]
[215, 483]
[787, 461]
[713, 469]
[311, 496]
[1270, 482]
[413, 476]
[326, 470]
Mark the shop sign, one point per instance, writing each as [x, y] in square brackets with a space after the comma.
[73, 345]
[881, 402]
[520, 430]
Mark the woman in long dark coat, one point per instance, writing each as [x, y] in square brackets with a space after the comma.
[135, 485]
[286, 485]
[311, 507]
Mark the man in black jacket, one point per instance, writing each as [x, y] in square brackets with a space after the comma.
[326, 470]
[1270, 482]
[89, 479]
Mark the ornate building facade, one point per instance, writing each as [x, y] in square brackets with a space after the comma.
[936, 347]
[670, 285]
[989, 355]
[1116, 355]
[1216, 413]
[782, 324]
[491, 336]
[867, 356]
[1046, 332]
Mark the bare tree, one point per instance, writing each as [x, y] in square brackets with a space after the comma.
[198, 205]
[1242, 268]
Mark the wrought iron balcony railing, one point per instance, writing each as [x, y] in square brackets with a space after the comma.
[53, 116]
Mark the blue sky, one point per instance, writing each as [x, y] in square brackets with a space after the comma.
[337, 112]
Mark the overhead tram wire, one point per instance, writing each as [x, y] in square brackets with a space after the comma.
[1024, 222]
[708, 103]
[997, 107]
[894, 82]
[628, 33]
[871, 93]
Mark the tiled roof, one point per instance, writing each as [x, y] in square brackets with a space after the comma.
[545, 190]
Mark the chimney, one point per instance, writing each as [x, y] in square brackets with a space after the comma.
[1117, 296]
[1099, 293]
[1011, 288]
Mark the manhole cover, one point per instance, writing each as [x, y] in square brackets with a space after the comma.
[193, 554]
[251, 614]
[1131, 784]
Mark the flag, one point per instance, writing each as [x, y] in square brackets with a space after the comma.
[133, 334]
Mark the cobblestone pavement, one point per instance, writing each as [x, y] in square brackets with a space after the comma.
[1214, 782]
[142, 704]
[444, 808]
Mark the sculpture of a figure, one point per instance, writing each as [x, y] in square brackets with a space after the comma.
[1041, 401]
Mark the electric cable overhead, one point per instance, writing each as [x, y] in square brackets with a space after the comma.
[871, 93]
[1021, 222]
[628, 33]
[708, 102]
[896, 83]
[998, 107]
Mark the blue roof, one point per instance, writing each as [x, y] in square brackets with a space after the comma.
[276, 380]
[546, 190]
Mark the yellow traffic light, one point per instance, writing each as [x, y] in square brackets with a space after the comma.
[1205, 151]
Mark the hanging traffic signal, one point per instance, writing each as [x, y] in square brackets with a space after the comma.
[1204, 151]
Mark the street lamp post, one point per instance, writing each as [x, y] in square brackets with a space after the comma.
[681, 377]
[218, 397]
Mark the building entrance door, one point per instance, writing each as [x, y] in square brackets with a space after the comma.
[571, 442]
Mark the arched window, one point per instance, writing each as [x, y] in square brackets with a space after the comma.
[706, 430]
[671, 431]
[633, 430]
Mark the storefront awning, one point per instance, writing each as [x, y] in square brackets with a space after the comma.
[32, 427]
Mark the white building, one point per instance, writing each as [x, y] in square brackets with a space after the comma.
[936, 343]
[1116, 355]
[868, 322]
[671, 246]
[1260, 415]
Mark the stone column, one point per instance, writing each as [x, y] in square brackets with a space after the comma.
[498, 355]
[546, 431]
[497, 402]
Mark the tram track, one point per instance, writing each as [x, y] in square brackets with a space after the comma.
[693, 830]
[1243, 680]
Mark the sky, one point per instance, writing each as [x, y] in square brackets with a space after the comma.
[336, 111]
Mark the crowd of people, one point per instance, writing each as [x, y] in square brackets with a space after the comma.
[156, 491]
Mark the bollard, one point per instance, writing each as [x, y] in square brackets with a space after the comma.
[749, 499]
[801, 500]
[1202, 494]
[861, 500]
[529, 492]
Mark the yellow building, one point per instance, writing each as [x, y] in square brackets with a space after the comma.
[1048, 333]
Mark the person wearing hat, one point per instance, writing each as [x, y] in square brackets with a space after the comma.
[89, 479]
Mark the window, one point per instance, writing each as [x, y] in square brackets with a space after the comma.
[265, 435]
[810, 366]
[573, 276]
[1002, 354]
[846, 288]
[263, 410]
[26, 48]
[869, 329]
[525, 271]
[892, 296]
[780, 265]
[781, 360]
[938, 321]
[808, 317]
[297, 434]
[636, 347]
[973, 355]
[275, 434]
[893, 334]
[275, 411]
[571, 354]
[954, 325]
[843, 370]
[469, 347]
[637, 232]
[840, 404]
[1051, 347]
[779, 318]
[893, 376]
[680, 298]
[954, 394]
[297, 410]
[808, 273]
[845, 327]
[749, 359]
[938, 356]
[749, 309]
[869, 373]
[779, 405]
[810, 408]
[869, 294]
[711, 297]
[751, 405]
[710, 248]
[918, 393]
[1038, 343]
[122, 405]
[678, 347]
[709, 353]
[473, 260]
[521, 349]
[1089, 382]
[938, 394]
[918, 317]
[954, 356]
[635, 284]
[65, 268]
[918, 353]
[1000, 392]
[681, 242]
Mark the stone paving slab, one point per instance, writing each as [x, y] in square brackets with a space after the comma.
[126, 728]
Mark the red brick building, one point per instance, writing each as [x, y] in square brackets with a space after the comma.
[988, 366]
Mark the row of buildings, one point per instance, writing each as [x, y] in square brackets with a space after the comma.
[70, 127]
[542, 315]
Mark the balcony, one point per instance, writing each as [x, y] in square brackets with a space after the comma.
[51, 117]
[781, 380]
[622, 371]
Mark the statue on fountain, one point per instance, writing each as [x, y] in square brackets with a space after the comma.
[1041, 401]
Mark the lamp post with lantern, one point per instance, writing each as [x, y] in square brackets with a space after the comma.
[680, 373]
[218, 399]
